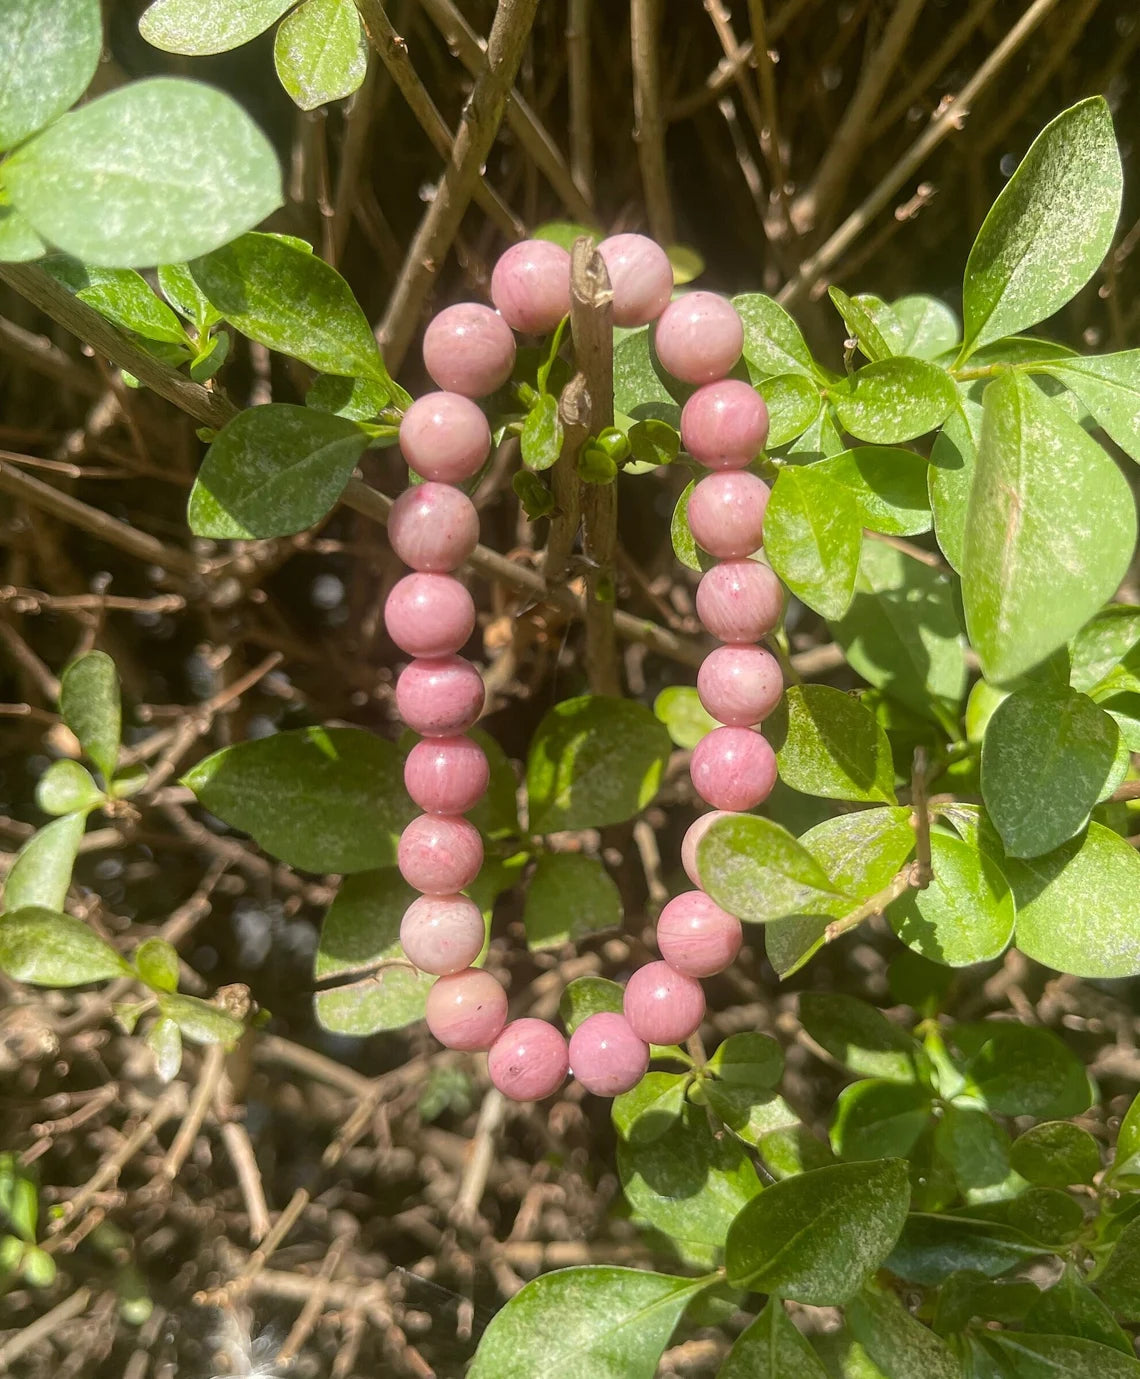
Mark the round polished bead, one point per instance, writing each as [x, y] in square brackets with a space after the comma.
[442, 934]
[529, 1060]
[469, 349]
[439, 854]
[739, 601]
[466, 1010]
[662, 1005]
[429, 615]
[440, 696]
[692, 841]
[433, 527]
[446, 775]
[606, 1056]
[696, 936]
[699, 337]
[733, 768]
[445, 437]
[724, 425]
[641, 276]
[530, 285]
[726, 513]
[740, 685]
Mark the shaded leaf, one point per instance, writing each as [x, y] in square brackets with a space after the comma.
[888, 485]
[897, 1342]
[41, 874]
[812, 536]
[648, 1110]
[876, 1119]
[49, 50]
[771, 1348]
[569, 897]
[833, 747]
[757, 871]
[859, 1036]
[965, 915]
[46, 948]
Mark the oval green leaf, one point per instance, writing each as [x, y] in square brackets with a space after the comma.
[41, 874]
[757, 871]
[812, 536]
[1056, 1153]
[90, 704]
[831, 746]
[772, 1348]
[47, 948]
[894, 400]
[569, 897]
[965, 915]
[321, 52]
[49, 50]
[198, 27]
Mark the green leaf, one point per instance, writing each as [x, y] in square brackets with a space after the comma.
[968, 1294]
[645, 1113]
[816, 1237]
[1105, 641]
[771, 1348]
[1056, 1153]
[653, 443]
[888, 485]
[1118, 1282]
[931, 1248]
[201, 1022]
[812, 536]
[321, 52]
[876, 1119]
[1109, 386]
[833, 747]
[929, 326]
[131, 180]
[593, 1322]
[976, 1149]
[66, 787]
[41, 874]
[185, 296]
[1047, 232]
[123, 296]
[861, 324]
[894, 400]
[18, 241]
[541, 438]
[819, 441]
[773, 343]
[1023, 1356]
[361, 928]
[211, 357]
[164, 1039]
[49, 50]
[639, 390]
[751, 1112]
[198, 27]
[1050, 530]
[586, 996]
[1046, 756]
[793, 1149]
[569, 897]
[272, 471]
[793, 403]
[1127, 1137]
[685, 546]
[359, 399]
[157, 964]
[89, 703]
[750, 1059]
[757, 871]
[594, 761]
[46, 948]
[320, 799]
[390, 998]
[1018, 1070]
[965, 915]
[953, 459]
[859, 1036]
[679, 707]
[897, 1342]
[1070, 1308]
[287, 299]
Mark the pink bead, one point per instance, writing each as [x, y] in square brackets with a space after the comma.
[726, 513]
[662, 1005]
[529, 1060]
[439, 854]
[442, 933]
[606, 1056]
[733, 768]
[699, 337]
[429, 615]
[530, 285]
[440, 696]
[446, 775]
[469, 349]
[724, 425]
[433, 527]
[641, 276]
[739, 601]
[466, 1010]
[692, 841]
[740, 685]
[696, 936]
[444, 436]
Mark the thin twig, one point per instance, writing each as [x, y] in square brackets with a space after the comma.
[315, 1304]
[213, 1062]
[649, 123]
[74, 1305]
[581, 112]
[239, 1147]
[480, 1157]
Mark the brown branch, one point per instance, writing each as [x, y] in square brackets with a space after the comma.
[43, 1328]
[581, 114]
[649, 122]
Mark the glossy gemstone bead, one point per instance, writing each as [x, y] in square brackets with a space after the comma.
[692, 841]
[529, 1060]
[469, 349]
[740, 685]
[429, 615]
[466, 1010]
[726, 513]
[440, 696]
[724, 425]
[733, 768]
[606, 1056]
[446, 775]
[442, 934]
[739, 601]
[439, 854]
[699, 337]
[641, 276]
[662, 1005]
[433, 527]
[530, 285]
[445, 437]
[696, 936]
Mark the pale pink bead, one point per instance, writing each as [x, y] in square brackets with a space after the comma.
[641, 276]
[445, 436]
[699, 337]
[696, 936]
[439, 854]
[442, 933]
[433, 527]
[692, 841]
[606, 1056]
[429, 615]
[446, 775]
[440, 696]
[662, 1005]
[469, 349]
[466, 1010]
[529, 1060]
[724, 425]
[740, 685]
[739, 601]
[733, 768]
[726, 513]
[530, 285]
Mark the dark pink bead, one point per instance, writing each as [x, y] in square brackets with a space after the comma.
[724, 425]
[699, 337]
[429, 615]
[641, 276]
[696, 936]
[726, 513]
[606, 1056]
[469, 349]
[433, 527]
[466, 1010]
[439, 854]
[440, 696]
[530, 285]
[662, 1005]
[529, 1060]
[739, 601]
[692, 840]
[740, 685]
[442, 934]
[445, 437]
[733, 768]
[446, 775]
